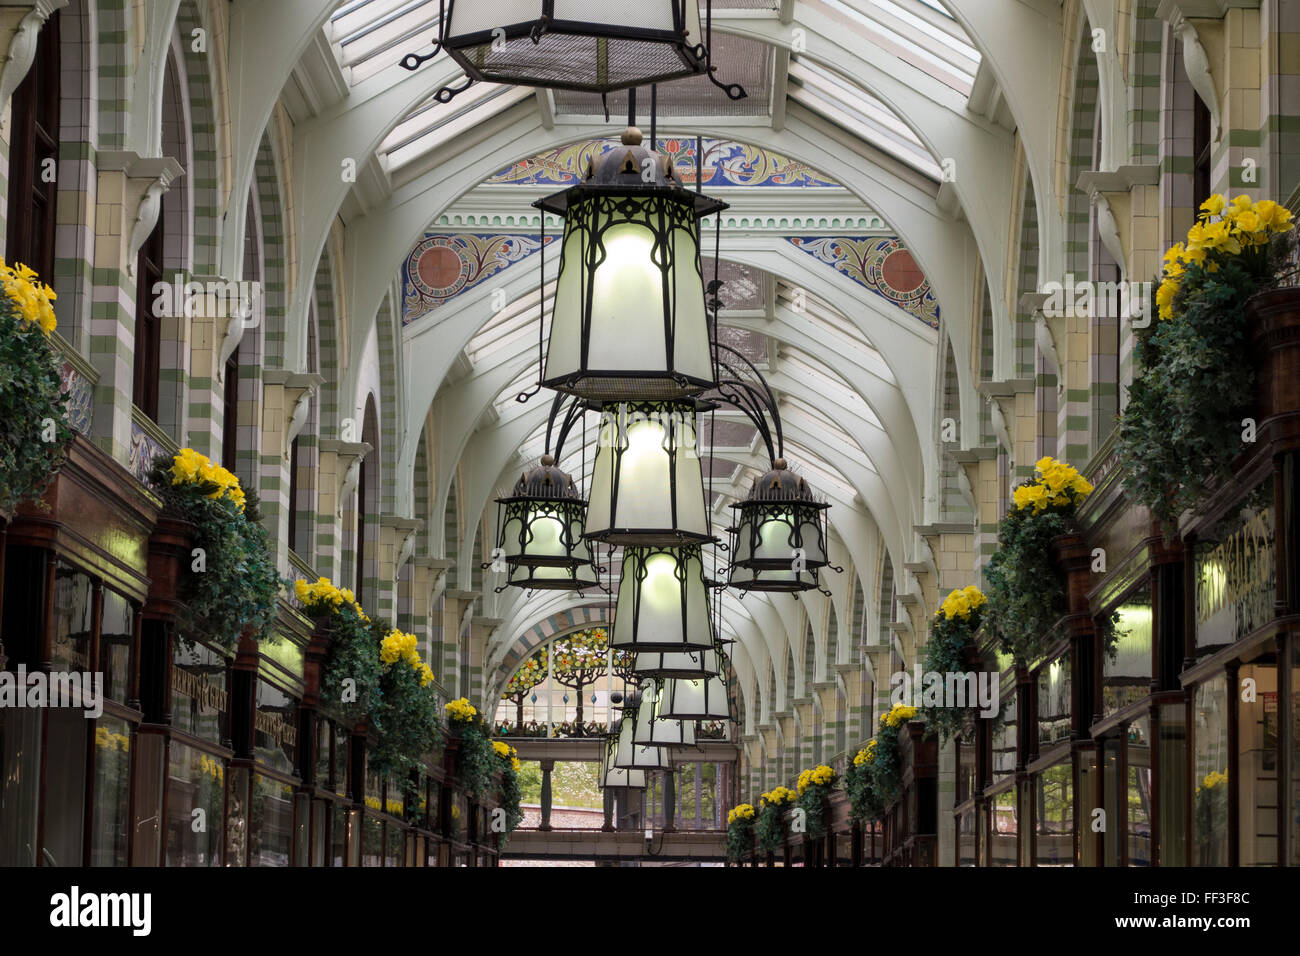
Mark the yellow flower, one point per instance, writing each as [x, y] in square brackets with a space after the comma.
[460, 709]
[29, 296]
[1213, 206]
[1165, 297]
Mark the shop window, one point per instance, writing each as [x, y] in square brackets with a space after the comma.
[64, 789]
[1087, 790]
[20, 761]
[1054, 815]
[237, 822]
[1210, 773]
[73, 610]
[395, 844]
[271, 831]
[195, 801]
[966, 842]
[1113, 791]
[1004, 741]
[1053, 703]
[111, 792]
[117, 624]
[199, 691]
[33, 158]
[1172, 806]
[372, 847]
[275, 729]
[1235, 571]
[338, 835]
[1257, 729]
[1004, 826]
[1126, 674]
[1137, 766]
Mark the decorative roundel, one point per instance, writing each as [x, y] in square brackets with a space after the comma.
[437, 268]
[895, 273]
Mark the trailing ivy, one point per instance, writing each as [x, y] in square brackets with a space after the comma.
[351, 673]
[1026, 594]
[232, 584]
[476, 761]
[1182, 427]
[770, 827]
[406, 718]
[814, 789]
[34, 432]
[511, 794]
[740, 833]
[951, 634]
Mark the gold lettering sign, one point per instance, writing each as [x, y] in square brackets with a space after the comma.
[276, 727]
[196, 687]
[1237, 576]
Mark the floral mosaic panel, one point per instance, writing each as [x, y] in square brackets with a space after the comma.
[441, 267]
[726, 163]
[81, 395]
[881, 264]
[144, 449]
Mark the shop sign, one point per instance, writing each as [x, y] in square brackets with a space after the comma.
[1236, 573]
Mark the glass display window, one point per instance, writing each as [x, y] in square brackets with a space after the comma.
[1054, 815]
[1126, 669]
[196, 787]
[1172, 767]
[1137, 808]
[1210, 772]
[200, 700]
[275, 728]
[1256, 697]
[1053, 703]
[271, 829]
[117, 627]
[1004, 828]
[111, 793]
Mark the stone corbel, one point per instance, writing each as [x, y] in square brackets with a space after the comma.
[235, 327]
[1108, 229]
[966, 488]
[22, 53]
[350, 456]
[157, 174]
[299, 388]
[1196, 62]
[405, 532]
[1000, 427]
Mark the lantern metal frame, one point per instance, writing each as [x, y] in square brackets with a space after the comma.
[630, 185]
[688, 561]
[629, 755]
[685, 57]
[710, 702]
[651, 730]
[783, 499]
[627, 779]
[548, 493]
[689, 664]
[614, 440]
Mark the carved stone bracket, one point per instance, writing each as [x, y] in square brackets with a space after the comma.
[299, 387]
[350, 456]
[22, 53]
[152, 177]
[1196, 62]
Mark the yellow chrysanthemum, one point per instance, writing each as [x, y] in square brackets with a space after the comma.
[29, 296]
[461, 709]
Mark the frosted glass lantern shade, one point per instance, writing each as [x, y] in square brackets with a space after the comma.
[663, 602]
[655, 731]
[612, 776]
[632, 756]
[702, 699]
[779, 541]
[593, 47]
[647, 484]
[540, 532]
[690, 664]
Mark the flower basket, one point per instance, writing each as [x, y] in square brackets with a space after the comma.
[170, 548]
[1274, 318]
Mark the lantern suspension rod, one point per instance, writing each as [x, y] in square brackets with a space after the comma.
[413, 61]
[734, 91]
[528, 393]
[750, 394]
[654, 116]
[631, 106]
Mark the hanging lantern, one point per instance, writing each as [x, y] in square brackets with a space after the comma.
[688, 664]
[612, 776]
[663, 604]
[540, 533]
[568, 45]
[630, 755]
[702, 699]
[629, 319]
[779, 541]
[647, 483]
[654, 731]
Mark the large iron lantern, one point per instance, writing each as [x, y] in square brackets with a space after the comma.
[663, 602]
[614, 776]
[689, 664]
[540, 531]
[701, 699]
[629, 319]
[575, 45]
[779, 540]
[630, 755]
[647, 483]
[652, 730]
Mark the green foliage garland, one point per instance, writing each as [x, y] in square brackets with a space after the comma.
[475, 759]
[951, 635]
[770, 827]
[1182, 427]
[740, 834]
[864, 804]
[34, 433]
[407, 722]
[233, 585]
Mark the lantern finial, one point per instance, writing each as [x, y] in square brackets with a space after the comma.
[632, 136]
